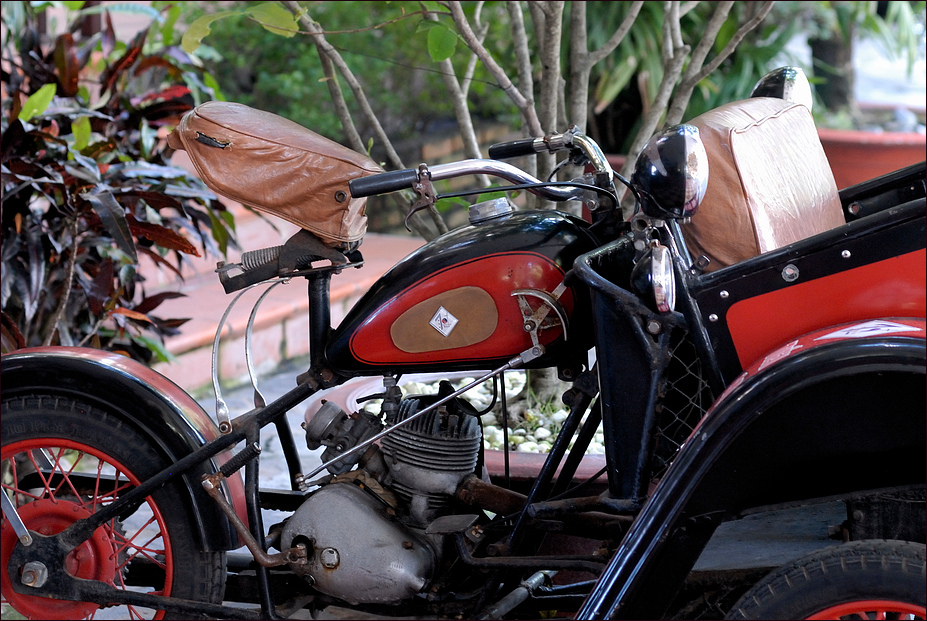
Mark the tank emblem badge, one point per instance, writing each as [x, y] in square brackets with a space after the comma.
[443, 321]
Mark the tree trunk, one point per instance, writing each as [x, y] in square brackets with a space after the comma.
[832, 61]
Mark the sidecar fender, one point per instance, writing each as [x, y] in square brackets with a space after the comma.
[169, 417]
[834, 412]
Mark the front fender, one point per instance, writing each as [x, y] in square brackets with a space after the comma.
[834, 412]
[172, 420]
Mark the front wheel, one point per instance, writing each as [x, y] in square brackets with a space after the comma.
[859, 580]
[61, 461]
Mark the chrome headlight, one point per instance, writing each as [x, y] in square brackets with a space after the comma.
[653, 279]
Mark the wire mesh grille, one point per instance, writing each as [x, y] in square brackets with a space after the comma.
[685, 397]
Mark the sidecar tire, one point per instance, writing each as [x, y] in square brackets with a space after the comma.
[844, 581]
[72, 428]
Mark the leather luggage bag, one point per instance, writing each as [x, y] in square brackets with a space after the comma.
[278, 167]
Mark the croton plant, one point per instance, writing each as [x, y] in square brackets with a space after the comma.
[88, 188]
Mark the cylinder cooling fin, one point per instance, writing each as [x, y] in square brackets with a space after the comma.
[432, 454]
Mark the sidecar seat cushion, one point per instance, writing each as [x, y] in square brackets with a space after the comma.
[277, 166]
[769, 182]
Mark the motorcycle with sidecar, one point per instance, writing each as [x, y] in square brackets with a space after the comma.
[751, 340]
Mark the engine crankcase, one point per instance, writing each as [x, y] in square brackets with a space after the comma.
[356, 551]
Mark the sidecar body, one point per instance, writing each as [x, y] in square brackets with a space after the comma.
[815, 345]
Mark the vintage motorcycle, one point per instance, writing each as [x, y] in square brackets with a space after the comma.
[759, 344]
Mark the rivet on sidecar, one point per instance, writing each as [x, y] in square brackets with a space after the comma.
[725, 295]
[790, 273]
[712, 318]
[846, 254]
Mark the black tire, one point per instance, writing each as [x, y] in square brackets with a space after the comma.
[851, 580]
[73, 432]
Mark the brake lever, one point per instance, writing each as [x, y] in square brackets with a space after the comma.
[426, 191]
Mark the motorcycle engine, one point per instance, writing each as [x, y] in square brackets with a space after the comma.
[364, 531]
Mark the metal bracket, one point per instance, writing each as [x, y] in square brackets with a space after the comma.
[536, 320]
[426, 191]
[292, 556]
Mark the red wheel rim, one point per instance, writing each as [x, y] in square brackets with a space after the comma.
[872, 609]
[54, 503]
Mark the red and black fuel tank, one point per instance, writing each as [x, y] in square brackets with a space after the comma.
[449, 304]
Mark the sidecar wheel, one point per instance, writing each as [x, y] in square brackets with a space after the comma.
[858, 580]
[61, 460]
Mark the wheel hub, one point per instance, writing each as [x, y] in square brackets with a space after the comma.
[94, 559]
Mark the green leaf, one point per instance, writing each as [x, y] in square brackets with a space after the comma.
[37, 102]
[136, 8]
[219, 233]
[274, 18]
[74, 6]
[148, 138]
[441, 43]
[728, 29]
[444, 205]
[80, 127]
[610, 86]
[167, 28]
[114, 220]
[198, 30]
[155, 346]
[229, 219]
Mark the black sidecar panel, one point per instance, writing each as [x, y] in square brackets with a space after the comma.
[867, 269]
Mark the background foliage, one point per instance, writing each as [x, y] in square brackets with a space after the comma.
[258, 68]
[397, 68]
[87, 188]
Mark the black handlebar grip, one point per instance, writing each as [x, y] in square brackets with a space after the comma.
[513, 148]
[383, 183]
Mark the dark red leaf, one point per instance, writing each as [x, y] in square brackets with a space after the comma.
[161, 261]
[108, 42]
[151, 62]
[131, 314]
[67, 65]
[166, 112]
[102, 287]
[172, 92]
[11, 337]
[156, 200]
[133, 51]
[170, 325]
[153, 301]
[161, 235]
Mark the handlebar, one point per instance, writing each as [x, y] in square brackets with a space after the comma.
[383, 183]
[402, 179]
[583, 147]
[517, 148]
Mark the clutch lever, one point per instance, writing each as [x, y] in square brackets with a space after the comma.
[426, 192]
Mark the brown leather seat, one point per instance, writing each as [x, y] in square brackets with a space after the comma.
[769, 181]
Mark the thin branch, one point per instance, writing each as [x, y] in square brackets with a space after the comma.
[341, 106]
[522, 54]
[326, 48]
[697, 70]
[618, 36]
[742, 32]
[461, 110]
[68, 283]
[582, 61]
[317, 33]
[469, 37]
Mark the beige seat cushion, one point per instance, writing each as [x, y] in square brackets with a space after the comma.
[769, 181]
